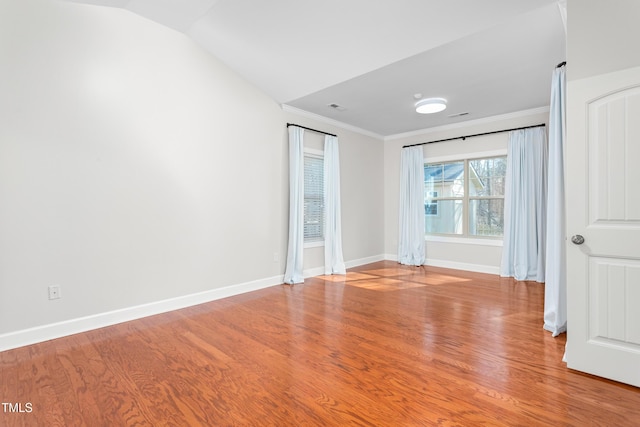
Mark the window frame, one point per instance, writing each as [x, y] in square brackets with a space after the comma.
[465, 237]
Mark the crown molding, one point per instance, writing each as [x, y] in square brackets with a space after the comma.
[323, 119]
[421, 132]
[459, 125]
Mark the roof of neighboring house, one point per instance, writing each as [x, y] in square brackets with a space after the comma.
[449, 172]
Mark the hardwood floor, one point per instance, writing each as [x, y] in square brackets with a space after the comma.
[387, 346]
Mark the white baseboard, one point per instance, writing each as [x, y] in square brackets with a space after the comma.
[82, 324]
[364, 261]
[313, 272]
[319, 271]
[391, 257]
[476, 268]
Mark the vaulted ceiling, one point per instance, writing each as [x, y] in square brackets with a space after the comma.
[371, 57]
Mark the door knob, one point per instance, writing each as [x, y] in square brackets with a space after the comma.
[577, 239]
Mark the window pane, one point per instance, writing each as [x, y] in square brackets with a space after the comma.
[486, 217]
[446, 179]
[443, 216]
[433, 178]
[313, 198]
[453, 180]
[487, 176]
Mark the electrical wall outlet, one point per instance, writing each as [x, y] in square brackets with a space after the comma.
[54, 291]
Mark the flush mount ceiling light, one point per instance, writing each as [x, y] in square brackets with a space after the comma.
[431, 105]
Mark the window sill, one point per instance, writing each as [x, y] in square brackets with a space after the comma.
[464, 240]
[313, 244]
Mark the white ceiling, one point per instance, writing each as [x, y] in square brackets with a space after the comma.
[486, 57]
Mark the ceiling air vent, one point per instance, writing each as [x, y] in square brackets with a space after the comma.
[457, 115]
[336, 107]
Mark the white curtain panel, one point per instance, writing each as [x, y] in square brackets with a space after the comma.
[525, 206]
[411, 246]
[293, 271]
[333, 259]
[555, 291]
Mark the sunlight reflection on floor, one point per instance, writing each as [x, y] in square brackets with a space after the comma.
[385, 285]
[348, 278]
[435, 279]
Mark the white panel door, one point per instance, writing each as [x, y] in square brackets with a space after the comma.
[603, 206]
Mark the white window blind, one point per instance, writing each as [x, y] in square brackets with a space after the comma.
[313, 197]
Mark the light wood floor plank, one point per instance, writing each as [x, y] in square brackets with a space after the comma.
[387, 345]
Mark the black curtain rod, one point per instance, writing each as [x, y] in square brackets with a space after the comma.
[562, 64]
[477, 134]
[312, 130]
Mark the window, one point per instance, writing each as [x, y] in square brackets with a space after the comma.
[465, 197]
[313, 196]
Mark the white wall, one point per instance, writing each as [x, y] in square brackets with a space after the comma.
[136, 168]
[476, 255]
[602, 37]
